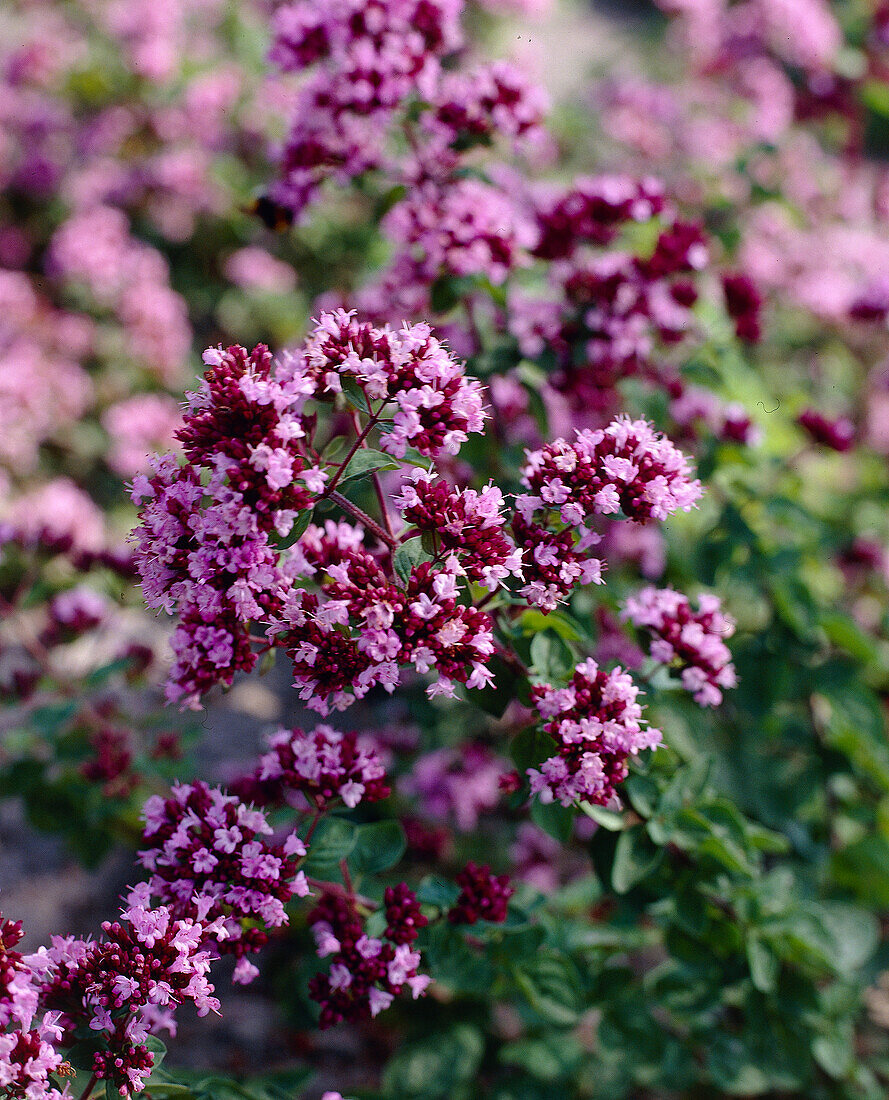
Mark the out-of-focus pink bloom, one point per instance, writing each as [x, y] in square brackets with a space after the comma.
[255, 269]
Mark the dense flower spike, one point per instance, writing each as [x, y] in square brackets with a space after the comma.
[208, 859]
[246, 419]
[387, 625]
[458, 785]
[837, 433]
[688, 639]
[483, 896]
[366, 973]
[322, 766]
[18, 996]
[626, 467]
[201, 551]
[744, 303]
[146, 963]
[596, 723]
[464, 522]
[368, 59]
[28, 1054]
[403, 917]
[436, 405]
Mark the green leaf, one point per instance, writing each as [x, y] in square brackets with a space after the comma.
[551, 656]
[331, 843]
[764, 966]
[365, 462]
[531, 747]
[533, 621]
[863, 868]
[642, 792]
[608, 819]
[508, 684]
[407, 557]
[551, 984]
[550, 1057]
[834, 1053]
[448, 290]
[389, 199]
[158, 1050]
[634, 858]
[856, 933]
[355, 395]
[436, 891]
[298, 529]
[554, 819]
[378, 847]
[853, 724]
[435, 1067]
[454, 964]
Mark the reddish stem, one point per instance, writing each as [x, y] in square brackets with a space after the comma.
[362, 436]
[90, 1085]
[362, 517]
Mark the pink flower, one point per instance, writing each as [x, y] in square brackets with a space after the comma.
[596, 723]
[692, 641]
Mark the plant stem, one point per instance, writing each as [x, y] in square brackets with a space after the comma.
[363, 517]
[485, 600]
[362, 436]
[318, 815]
[375, 478]
[90, 1085]
[336, 890]
[347, 878]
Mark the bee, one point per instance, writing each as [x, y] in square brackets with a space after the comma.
[272, 214]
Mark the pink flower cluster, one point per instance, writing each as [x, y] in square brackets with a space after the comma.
[592, 211]
[378, 97]
[207, 549]
[606, 312]
[728, 422]
[200, 550]
[462, 227]
[140, 426]
[207, 543]
[43, 388]
[464, 522]
[455, 784]
[688, 639]
[365, 626]
[56, 516]
[367, 59]
[27, 1053]
[626, 467]
[744, 303]
[492, 101]
[208, 854]
[483, 896]
[322, 766]
[837, 433]
[596, 724]
[366, 973]
[132, 980]
[95, 248]
[436, 405]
